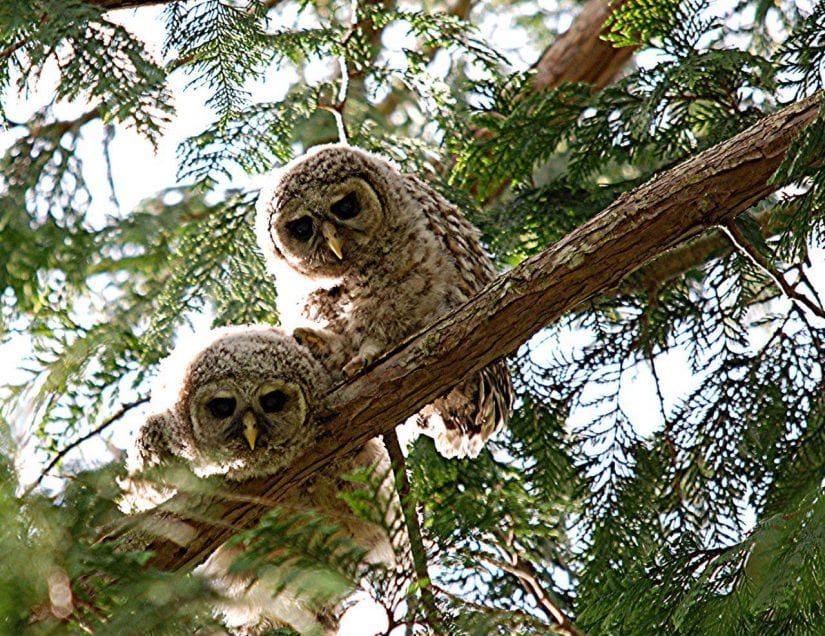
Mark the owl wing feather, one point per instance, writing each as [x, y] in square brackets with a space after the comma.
[151, 447]
[460, 238]
[462, 421]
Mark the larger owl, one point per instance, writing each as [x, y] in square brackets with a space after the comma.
[364, 257]
[241, 403]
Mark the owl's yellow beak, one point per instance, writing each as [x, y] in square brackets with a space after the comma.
[250, 428]
[332, 239]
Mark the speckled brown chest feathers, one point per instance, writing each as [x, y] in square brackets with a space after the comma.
[365, 257]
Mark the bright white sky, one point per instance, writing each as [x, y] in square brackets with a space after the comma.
[140, 172]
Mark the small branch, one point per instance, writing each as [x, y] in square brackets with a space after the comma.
[580, 54]
[124, 409]
[12, 48]
[696, 251]
[676, 482]
[337, 109]
[486, 609]
[667, 432]
[126, 4]
[108, 137]
[804, 280]
[60, 127]
[741, 243]
[419, 553]
[527, 575]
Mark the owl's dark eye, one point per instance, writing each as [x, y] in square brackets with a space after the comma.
[346, 208]
[301, 228]
[273, 401]
[221, 407]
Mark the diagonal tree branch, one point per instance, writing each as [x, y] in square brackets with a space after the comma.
[580, 55]
[742, 244]
[126, 4]
[97, 430]
[705, 191]
[697, 251]
[526, 574]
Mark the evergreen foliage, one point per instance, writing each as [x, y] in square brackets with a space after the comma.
[662, 472]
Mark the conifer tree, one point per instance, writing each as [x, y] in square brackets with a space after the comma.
[648, 177]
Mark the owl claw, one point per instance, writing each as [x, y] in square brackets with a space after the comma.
[307, 336]
[356, 365]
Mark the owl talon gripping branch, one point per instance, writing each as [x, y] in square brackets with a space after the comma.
[356, 366]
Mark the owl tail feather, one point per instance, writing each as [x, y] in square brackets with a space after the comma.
[464, 419]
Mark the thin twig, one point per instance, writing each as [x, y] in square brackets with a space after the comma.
[337, 109]
[16, 46]
[108, 136]
[12, 48]
[419, 554]
[527, 575]
[124, 408]
[486, 608]
[741, 243]
[803, 279]
[667, 432]
[338, 112]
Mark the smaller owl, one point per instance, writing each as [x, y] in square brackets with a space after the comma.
[239, 405]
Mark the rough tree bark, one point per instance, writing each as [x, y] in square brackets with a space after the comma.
[580, 55]
[705, 191]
